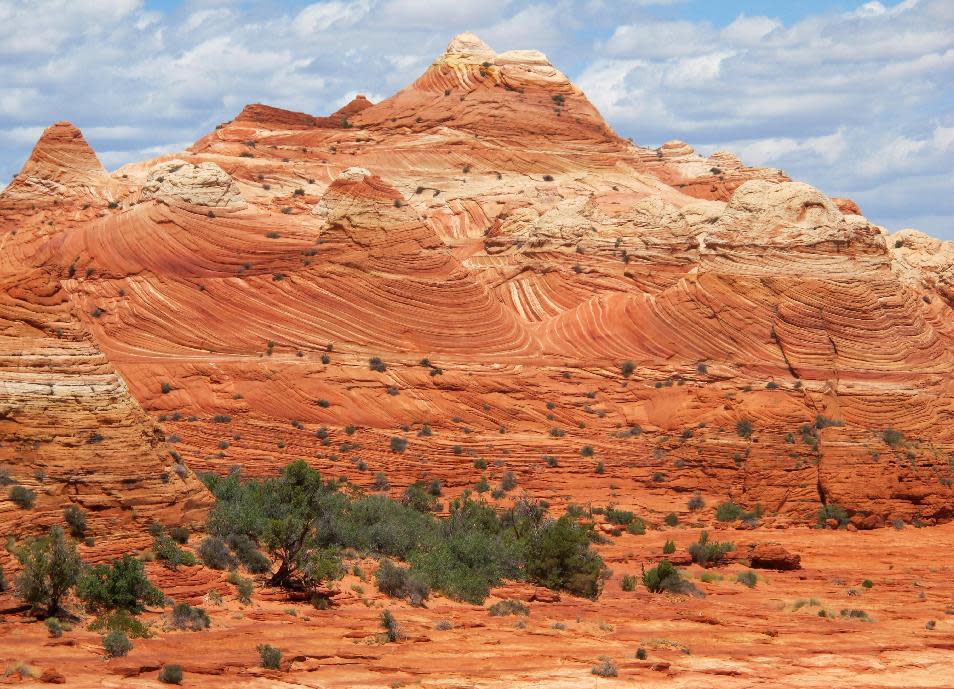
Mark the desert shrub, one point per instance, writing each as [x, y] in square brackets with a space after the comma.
[743, 427]
[671, 519]
[50, 568]
[398, 582]
[392, 631]
[728, 512]
[605, 668]
[215, 554]
[54, 627]
[559, 557]
[586, 451]
[443, 625]
[116, 644]
[825, 422]
[867, 583]
[748, 578]
[627, 368]
[628, 582]
[653, 578]
[832, 511]
[600, 468]
[270, 657]
[120, 585]
[482, 486]
[243, 587]
[709, 554]
[641, 652]
[508, 481]
[508, 607]
[75, 518]
[398, 444]
[375, 364]
[179, 534]
[422, 498]
[463, 555]
[381, 481]
[247, 552]
[695, 503]
[669, 547]
[892, 437]
[186, 617]
[621, 517]
[169, 553]
[22, 497]
[637, 527]
[171, 674]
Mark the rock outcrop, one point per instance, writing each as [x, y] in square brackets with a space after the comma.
[205, 185]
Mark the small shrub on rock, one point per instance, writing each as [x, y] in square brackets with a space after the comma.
[171, 674]
[116, 644]
[270, 657]
[508, 607]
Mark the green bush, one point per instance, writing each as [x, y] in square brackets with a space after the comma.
[54, 627]
[641, 652]
[637, 527]
[170, 554]
[559, 557]
[179, 534]
[832, 511]
[728, 512]
[185, 616]
[171, 674]
[122, 584]
[247, 552]
[508, 607]
[621, 517]
[892, 437]
[270, 657]
[23, 497]
[463, 555]
[605, 668]
[116, 644]
[50, 568]
[215, 554]
[748, 578]
[709, 554]
[669, 548]
[671, 519]
[743, 427]
[696, 503]
[392, 630]
[243, 587]
[665, 577]
[628, 582]
[398, 582]
[75, 518]
[398, 444]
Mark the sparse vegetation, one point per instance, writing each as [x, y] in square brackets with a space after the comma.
[116, 644]
[120, 585]
[270, 657]
[51, 567]
[304, 523]
[744, 428]
[392, 631]
[605, 668]
[748, 578]
[709, 554]
[508, 607]
[171, 674]
[22, 497]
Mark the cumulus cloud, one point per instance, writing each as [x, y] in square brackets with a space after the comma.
[852, 101]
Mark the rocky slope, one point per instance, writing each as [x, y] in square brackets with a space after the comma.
[480, 266]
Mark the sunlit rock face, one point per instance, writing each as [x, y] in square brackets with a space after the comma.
[487, 220]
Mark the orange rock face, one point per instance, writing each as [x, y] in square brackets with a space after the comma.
[613, 324]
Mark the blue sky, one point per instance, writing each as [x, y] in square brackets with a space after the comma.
[853, 97]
